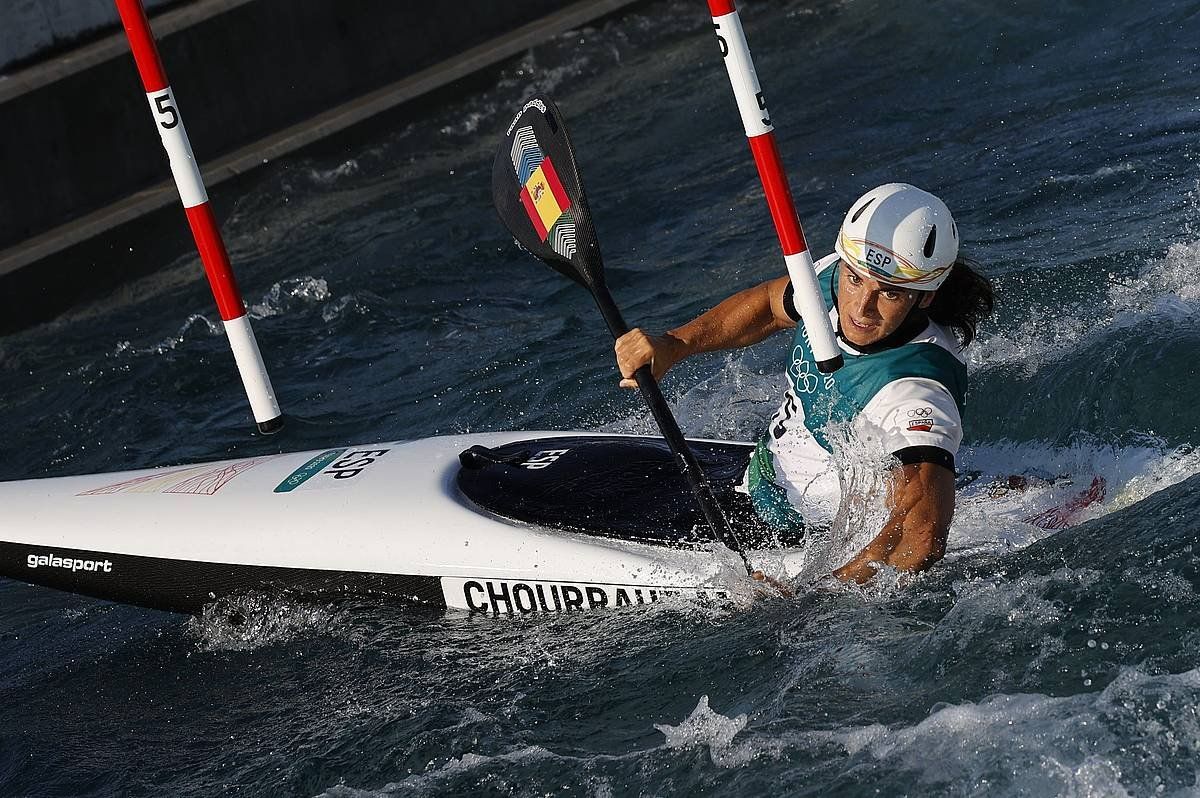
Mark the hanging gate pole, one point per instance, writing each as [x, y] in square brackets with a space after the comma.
[200, 217]
[761, 133]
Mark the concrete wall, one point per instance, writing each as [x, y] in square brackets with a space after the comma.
[84, 140]
[32, 27]
[82, 169]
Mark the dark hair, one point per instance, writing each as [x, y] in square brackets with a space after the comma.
[964, 300]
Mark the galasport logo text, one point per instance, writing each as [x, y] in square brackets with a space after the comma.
[68, 563]
[501, 596]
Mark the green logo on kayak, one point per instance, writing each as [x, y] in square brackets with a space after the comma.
[308, 470]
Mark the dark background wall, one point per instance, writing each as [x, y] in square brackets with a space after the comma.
[79, 142]
[34, 29]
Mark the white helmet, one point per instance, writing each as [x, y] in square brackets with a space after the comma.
[900, 234]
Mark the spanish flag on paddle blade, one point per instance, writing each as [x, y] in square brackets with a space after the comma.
[544, 198]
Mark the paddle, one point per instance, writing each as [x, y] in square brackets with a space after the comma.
[539, 195]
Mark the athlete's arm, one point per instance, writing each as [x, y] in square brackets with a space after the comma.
[921, 504]
[743, 319]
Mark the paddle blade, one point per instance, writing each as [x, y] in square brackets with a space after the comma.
[539, 194]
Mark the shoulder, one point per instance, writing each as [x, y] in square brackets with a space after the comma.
[942, 338]
[916, 412]
[933, 356]
[912, 392]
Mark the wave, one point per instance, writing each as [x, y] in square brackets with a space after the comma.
[1032, 744]
[1165, 288]
[1100, 174]
[290, 297]
[330, 176]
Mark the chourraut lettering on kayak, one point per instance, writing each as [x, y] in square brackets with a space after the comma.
[330, 468]
[512, 597]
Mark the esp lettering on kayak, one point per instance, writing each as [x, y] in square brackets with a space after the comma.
[353, 463]
[543, 458]
[497, 596]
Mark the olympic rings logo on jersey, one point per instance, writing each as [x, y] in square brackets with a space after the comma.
[800, 370]
[920, 419]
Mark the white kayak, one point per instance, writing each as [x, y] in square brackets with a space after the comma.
[524, 522]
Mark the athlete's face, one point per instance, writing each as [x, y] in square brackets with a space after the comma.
[870, 310]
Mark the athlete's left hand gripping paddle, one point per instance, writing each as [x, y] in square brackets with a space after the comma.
[539, 195]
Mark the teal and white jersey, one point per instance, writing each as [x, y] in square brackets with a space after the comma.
[903, 397]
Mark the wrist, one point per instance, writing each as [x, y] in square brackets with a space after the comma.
[676, 346]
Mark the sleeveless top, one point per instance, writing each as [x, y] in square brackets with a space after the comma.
[902, 397]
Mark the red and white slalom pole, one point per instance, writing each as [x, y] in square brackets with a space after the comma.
[200, 216]
[761, 133]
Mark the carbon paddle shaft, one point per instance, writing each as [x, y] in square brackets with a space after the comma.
[539, 196]
[684, 458]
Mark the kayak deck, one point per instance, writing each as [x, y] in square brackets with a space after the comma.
[625, 488]
[544, 522]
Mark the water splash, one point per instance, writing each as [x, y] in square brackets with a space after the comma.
[289, 295]
[328, 177]
[1102, 173]
[1032, 744]
[253, 621]
[1002, 485]
[197, 325]
[1165, 288]
[709, 729]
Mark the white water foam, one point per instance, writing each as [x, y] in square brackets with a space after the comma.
[254, 621]
[470, 123]
[1167, 287]
[434, 780]
[287, 294]
[328, 177]
[1118, 741]
[710, 729]
[283, 297]
[1125, 167]
[1122, 740]
[993, 509]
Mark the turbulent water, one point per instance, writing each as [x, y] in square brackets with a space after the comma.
[390, 304]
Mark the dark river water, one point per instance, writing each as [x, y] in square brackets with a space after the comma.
[390, 304]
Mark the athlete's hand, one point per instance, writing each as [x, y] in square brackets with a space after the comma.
[784, 590]
[636, 349]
